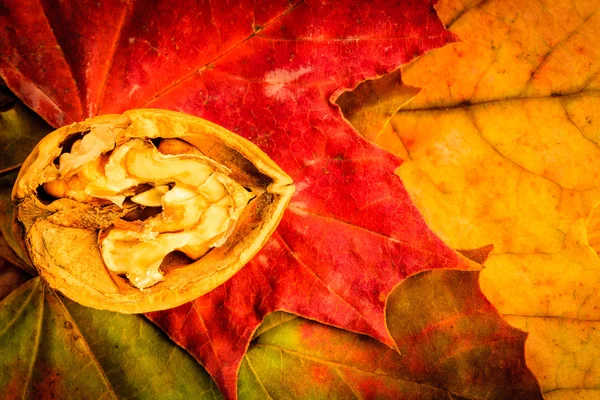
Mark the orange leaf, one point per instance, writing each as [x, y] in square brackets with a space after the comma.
[501, 147]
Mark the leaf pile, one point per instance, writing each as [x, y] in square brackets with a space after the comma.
[350, 236]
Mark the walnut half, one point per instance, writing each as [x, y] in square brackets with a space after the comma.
[146, 210]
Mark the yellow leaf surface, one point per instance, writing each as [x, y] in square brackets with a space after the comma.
[501, 146]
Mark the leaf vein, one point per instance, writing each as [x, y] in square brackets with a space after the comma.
[226, 52]
[36, 344]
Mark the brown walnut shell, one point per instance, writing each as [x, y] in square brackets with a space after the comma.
[61, 235]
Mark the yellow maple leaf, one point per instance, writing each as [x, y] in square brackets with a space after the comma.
[501, 146]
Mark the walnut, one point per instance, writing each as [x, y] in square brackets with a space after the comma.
[147, 210]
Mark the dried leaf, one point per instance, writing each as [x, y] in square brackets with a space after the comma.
[9, 247]
[501, 147]
[11, 277]
[7, 98]
[373, 103]
[450, 336]
[452, 344]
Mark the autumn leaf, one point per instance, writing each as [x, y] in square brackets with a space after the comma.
[9, 248]
[501, 147]
[21, 130]
[123, 356]
[267, 71]
[11, 277]
[55, 346]
[373, 103]
[449, 335]
[7, 98]
[480, 356]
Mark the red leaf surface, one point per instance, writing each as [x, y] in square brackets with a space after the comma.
[267, 70]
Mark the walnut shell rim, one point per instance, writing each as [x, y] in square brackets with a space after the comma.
[68, 267]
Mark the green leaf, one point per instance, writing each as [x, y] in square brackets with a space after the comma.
[451, 344]
[53, 346]
[21, 318]
[303, 359]
[20, 130]
[272, 321]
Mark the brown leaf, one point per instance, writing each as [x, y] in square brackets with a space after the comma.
[450, 336]
[11, 277]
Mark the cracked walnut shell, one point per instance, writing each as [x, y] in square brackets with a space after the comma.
[146, 210]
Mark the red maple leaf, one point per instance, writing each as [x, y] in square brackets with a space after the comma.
[269, 71]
